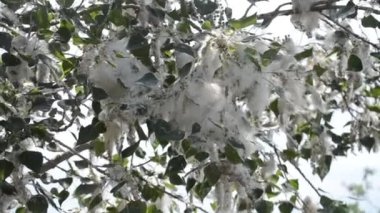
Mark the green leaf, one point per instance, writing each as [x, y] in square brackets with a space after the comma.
[374, 92]
[176, 164]
[243, 22]
[90, 132]
[166, 132]
[212, 173]
[289, 154]
[264, 206]
[368, 142]
[99, 147]
[65, 3]
[37, 204]
[371, 22]
[190, 183]
[63, 35]
[202, 189]
[319, 69]
[374, 108]
[86, 189]
[130, 150]
[10, 60]
[324, 166]
[148, 80]
[62, 196]
[274, 107]
[5, 41]
[294, 184]
[32, 160]
[6, 168]
[99, 94]
[354, 63]
[151, 193]
[42, 18]
[140, 131]
[95, 201]
[286, 207]
[64, 182]
[81, 164]
[232, 155]
[21, 210]
[207, 25]
[326, 202]
[205, 7]
[349, 11]
[175, 179]
[201, 156]
[304, 54]
[136, 206]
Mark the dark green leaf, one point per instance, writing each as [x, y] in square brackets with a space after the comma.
[368, 142]
[65, 3]
[289, 154]
[64, 182]
[37, 204]
[176, 164]
[201, 156]
[195, 128]
[135, 207]
[10, 60]
[151, 193]
[99, 94]
[185, 70]
[232, 155]
[324, 166]
[95, 201]
[264, 206]
[243, 22]
[148, 80]
[252, 164]
[212, 173]
[304, 54]
[32, 160]
[5, 41]
[63, 35]
[62, 196]
[86, 189]
[89, 133]
[175, 179]
[370, 21]
[326, 202]
[202, 189]
[130, 150]
[190, 183]
[376, 55]
[374, 108]
[42, 18]
[354, 63]
[6, 168]
[286, 207]
[7, 188]
[205, 6]
[165, 131]
[81, 164]
[350, 11]
[274, 107]
[319, 69]
[21, 210]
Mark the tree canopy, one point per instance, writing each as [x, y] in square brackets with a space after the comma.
[173, 105]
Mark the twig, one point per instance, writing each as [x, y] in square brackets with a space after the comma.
[247, 10]
[351, 32]
[65, 156]
[307, 180]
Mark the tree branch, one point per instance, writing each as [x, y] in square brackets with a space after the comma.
[65, 156]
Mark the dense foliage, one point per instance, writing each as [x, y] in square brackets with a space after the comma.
[172, 105]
